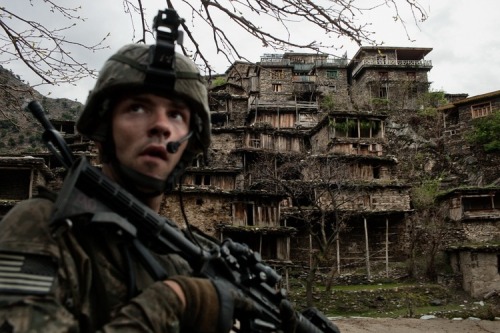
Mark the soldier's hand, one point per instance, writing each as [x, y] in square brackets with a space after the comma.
[209, 305]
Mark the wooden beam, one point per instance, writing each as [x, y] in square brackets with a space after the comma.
[387, 247]
[367, 250]
[338, 253]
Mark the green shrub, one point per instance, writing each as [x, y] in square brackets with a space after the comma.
[428, 112]
[218, 81]
[486, 132]
[424, 196]
[380, 103]
[327, 103]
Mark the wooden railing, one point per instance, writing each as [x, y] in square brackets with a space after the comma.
[389, 62]
[256, 104]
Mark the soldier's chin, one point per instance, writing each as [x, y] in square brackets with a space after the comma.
[145, 182]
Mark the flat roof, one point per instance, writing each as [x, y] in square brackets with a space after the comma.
[409, 53]
[471, 99]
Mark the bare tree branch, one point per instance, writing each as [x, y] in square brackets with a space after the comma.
[335, 18]
[46, 51]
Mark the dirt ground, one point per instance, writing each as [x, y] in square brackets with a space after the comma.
[388, 325]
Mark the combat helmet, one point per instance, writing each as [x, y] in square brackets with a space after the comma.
[154, 69]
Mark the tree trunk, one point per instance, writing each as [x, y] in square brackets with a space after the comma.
[310, 281]
[329, 282]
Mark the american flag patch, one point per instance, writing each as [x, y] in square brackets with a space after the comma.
[26, 273]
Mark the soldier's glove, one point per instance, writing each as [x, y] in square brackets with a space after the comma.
[210, 305]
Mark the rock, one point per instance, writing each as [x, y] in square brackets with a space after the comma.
[457, 319]
[436, 302]
[473, 318]
[427, 317]
[490, 294]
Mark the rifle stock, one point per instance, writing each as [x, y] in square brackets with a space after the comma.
[87, 191]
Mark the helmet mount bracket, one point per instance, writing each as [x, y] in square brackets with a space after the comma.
[160, 72]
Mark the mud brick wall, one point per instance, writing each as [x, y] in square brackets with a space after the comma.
[479, 271]
[203, 210]
[481, 231]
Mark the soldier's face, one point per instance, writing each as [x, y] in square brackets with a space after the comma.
[142, 126]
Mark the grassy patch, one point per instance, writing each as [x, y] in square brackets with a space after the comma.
[393, 300]
[370, 286]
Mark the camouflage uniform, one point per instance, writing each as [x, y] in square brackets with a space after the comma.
[49, 281]
[84, 278]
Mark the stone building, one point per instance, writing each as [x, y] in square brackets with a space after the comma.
[301, 119]
[301, 77]
[347, 149]
[19, 179]
[20, 176]
[222, 198]
[478, 266]
[472, 165]
[474, 251]
[290, 118]
[473, 210]
[384, 77]
[318, 125]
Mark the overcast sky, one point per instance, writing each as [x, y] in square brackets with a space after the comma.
[462, 33]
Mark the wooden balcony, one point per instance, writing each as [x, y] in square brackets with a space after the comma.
[374, 62]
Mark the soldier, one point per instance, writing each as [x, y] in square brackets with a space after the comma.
[147, 125]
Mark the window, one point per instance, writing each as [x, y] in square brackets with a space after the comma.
[382, 93]
[277, 87]
[412, 76]
[255, 143]
[376, 172]
[202, 179]
[374, 147]
[476, 203]
[297, 60]
[481, 110]
[277, 74]
[364, 149]
[332, 74]
[249, 210]
[15, 183]
[197, 161]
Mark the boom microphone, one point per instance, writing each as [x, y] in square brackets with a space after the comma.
[173, 146]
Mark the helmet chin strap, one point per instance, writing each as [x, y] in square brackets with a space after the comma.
[144, 186]
[138, 183]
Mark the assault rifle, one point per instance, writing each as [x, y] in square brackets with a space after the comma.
[87, 191]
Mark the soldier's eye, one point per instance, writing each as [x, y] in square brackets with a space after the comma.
[136, 108]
